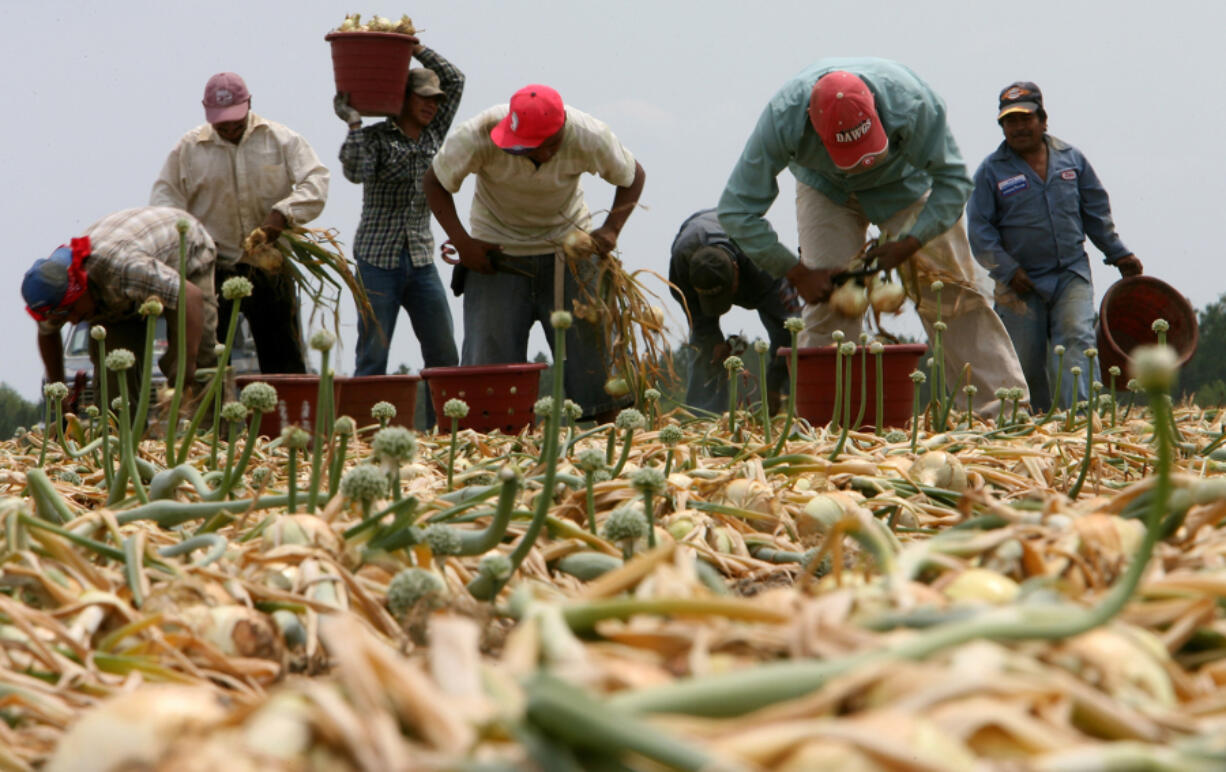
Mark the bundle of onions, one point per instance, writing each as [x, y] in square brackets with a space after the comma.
[850, 299]
[886, 295]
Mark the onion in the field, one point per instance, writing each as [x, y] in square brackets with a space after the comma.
[939, 469]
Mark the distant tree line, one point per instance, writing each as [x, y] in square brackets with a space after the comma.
[1203, 378]
[15, 412]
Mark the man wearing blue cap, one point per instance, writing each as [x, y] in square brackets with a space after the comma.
[104, 276]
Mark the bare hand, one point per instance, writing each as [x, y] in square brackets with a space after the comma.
[1129, 266]
[274, 223]
[813, 284]
[605, 238]
[417, 46]
[345, 111]
[474, 255]
[892, 254]
[1021, 284]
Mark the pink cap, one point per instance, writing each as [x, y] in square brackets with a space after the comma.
[842, 110]
[537, 113]
[225, 98]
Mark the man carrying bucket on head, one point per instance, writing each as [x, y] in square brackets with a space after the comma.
[1036, 199]
[867, 142]
[528, 157]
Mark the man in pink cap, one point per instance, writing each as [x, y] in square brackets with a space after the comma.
[528, 157]
[868, 143]
[238, 172]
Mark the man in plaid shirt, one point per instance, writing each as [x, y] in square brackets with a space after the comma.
[394, 247]
[103, 278]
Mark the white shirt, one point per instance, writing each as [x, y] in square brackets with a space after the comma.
[231, 187]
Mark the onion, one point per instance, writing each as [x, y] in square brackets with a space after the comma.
[850, 299]
[616, 387]
[982, 585]
[938, 469]
[887, 297]
[578, 244]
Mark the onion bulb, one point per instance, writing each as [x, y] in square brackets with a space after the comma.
[850, 299]
[616, 387]
[888, 296]
[578, 244]
[938, 469]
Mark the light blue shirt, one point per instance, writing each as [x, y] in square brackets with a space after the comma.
[1016, 220]
[922, 156]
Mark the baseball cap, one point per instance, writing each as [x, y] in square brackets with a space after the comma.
[537, 113]
[424, 82]
[713, 275]
[1019, 97]
[225, 98]
[844, 113]
[46, 284]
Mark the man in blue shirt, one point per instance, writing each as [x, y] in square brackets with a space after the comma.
[1036, 198]
[868, 142]
[711, 274]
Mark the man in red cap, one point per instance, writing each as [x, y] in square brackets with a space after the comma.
[238, 172]
[104, 276]
[868, 143]
[528, 157]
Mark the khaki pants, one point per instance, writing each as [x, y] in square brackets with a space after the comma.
[832, 234]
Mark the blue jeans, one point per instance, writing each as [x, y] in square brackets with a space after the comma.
[500, 309]
[1066, 319]
[419, 291]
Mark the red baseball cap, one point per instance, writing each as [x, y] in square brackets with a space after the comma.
[844, 113]
[226, 98]
[537, 113]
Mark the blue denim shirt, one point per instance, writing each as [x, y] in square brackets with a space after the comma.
[922, 156]
[1016, 220]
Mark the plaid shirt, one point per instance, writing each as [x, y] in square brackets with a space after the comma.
[390, 167]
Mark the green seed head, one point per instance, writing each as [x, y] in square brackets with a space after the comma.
[260, 476]
[442, 540]
[236, 287]
[970, 389]
[344, 426]
[1133, 384]
[648, 480]
[864, 336]
[455, 408]
[322, 340]
[1058, 350]
[1091, 352]
[182, 225]
[69, 476]
[410, 587]
[259, 396]
[219, 349]
[1002, 393]
[383, 411]
[625, 523]
[120, 359]
[395, 443]
[847, 349]
[734, 364]
[495, 566]
[651, 395]
[116, 404]
[670, 435]
[794, 324]
[1016, 392]
[1155, 367]
[295, 438]
[876, 347]
[837, 336]
[1114, 371]
[1160, 325]
[590, 460]
[91, 411]
[1096, 386]
[940, 326]
[918, 377]
[561, 320]
[151, 307]
[1075, 370]
[364, 482]
[234, 412]
[543, 406]
[628, 419]
[55, 392]
[895, 435]
[97, 332]
[571, 409]
[761, 346]
[938, 285]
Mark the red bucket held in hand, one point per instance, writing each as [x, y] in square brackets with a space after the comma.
[1126, 317]
[372, 68]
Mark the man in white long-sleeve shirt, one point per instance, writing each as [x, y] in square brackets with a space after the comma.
[238, 172]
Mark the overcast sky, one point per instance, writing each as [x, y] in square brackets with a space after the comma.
[100, 92]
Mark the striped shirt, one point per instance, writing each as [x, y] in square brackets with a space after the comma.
[134, 254]
[390, 165]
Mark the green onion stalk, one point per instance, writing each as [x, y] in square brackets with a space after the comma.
[670, 435]
[837, 411]
[52, 393]
[233, 289]
[1057, 397]
[649, 481]
[394, 446]
[793, 325]
[573, 412]
[120, 361]
[848, 350]
[1002, 394]
[1113, 372]
[98, 333]
[176, 397]
[627, 420]
[938, 360]
[151, 309]
[342, 430]
[487, 586]
[969, 390]
[1085, 461]
[762, 349]
[1160, 328]
[864, 336]
[651, 403]
[295, 440]
[383, 412]
[259, 398]
[1015, 394]
[322, 341]
[455, 409]
[877, 349]
[734, 365]
[1074, 371]
[917, 377]
[591, 462]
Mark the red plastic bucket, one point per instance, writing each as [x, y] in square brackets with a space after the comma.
[499, 396]
[815, 383]
[1126, 316]
[372, 68]
[296, 394]
[354, 396]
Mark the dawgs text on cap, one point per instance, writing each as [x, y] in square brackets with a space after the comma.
[842, 110]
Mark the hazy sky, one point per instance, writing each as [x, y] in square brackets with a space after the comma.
[100, 92]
